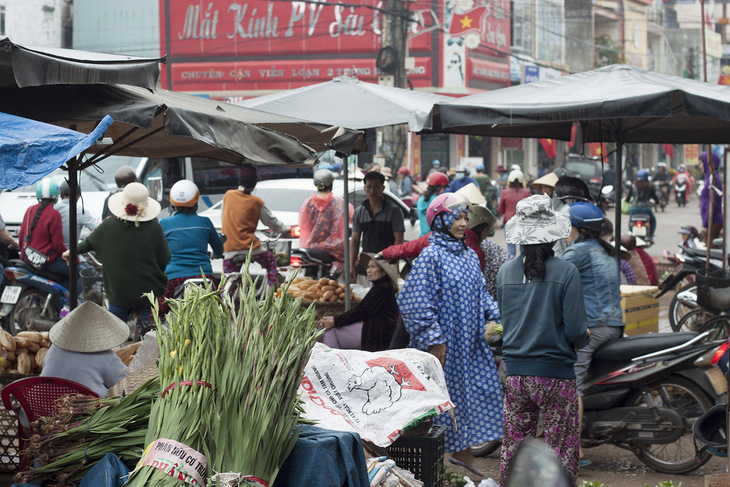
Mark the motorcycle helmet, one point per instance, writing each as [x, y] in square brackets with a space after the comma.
[403, 170]
[323, 178]
[682, 168]
[65, 190]
[586, 215]
[690, 230]
[515, 175]
[710, 431]
[437, 179]
[446, 203]
[480, 215]
[47, 189]
[479, 167]
[642, 175]
[184, 193]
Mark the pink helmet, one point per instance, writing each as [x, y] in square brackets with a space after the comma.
[446, 203]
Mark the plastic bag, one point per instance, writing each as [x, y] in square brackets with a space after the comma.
[377, 395]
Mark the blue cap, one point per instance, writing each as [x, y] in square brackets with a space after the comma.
[436, 162]
[480, 167]
[586, 215]
[642, 175]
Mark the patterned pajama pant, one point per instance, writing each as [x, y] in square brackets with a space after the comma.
[172, 284]
[267, 260]
[556, 400]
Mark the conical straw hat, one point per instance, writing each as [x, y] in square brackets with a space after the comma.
[89, 328]
[473, 194]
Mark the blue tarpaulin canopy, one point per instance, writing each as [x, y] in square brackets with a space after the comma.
[30, 150]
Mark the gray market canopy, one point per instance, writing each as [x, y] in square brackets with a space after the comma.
[168, 124]
[347, 102]
[618, 103]
[24, 66]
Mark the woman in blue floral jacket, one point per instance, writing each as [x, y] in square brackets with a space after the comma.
[443, 304]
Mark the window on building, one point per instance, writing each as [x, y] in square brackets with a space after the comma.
[522, 25]
[550, 34]
[2, 20]
[48, 12]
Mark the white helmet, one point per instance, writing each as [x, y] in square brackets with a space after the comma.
[515, 175]
[184, 193]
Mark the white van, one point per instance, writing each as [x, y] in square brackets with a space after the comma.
[96, 183]
[212, 177]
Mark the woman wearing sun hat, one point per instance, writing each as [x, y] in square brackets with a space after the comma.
[82, 348]
[444, 303]
[544, 322]
[375, 316]
[133, 249]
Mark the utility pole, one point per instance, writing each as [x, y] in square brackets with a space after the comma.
[391, 62]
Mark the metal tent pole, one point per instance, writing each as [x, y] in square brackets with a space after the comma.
[346, 195]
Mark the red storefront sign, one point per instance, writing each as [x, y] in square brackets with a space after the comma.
[282, 75]
[488, 71]
[217, 28]
[494, 35]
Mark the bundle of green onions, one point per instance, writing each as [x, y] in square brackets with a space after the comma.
[229, 371]
[83, 430]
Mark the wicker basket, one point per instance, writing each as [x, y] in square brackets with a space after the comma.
[713, 289]
[325, 309]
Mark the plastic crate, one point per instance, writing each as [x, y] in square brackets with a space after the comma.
[423, 455]
[713, 289]
[9, 443]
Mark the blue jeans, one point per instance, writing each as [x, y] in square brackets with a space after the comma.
[145, 322]
[511, 248]
[59, 266]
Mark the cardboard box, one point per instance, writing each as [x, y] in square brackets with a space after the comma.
[640, 309]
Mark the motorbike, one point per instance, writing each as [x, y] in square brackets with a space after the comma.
[685, 299]
[315, 263]
[31, 299]
[645, 392]
[640, 224]
[680, 192]
[661, 188]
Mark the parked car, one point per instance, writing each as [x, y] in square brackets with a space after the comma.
[589, 170]
[96, 183]
[284, 197]
[212, 177]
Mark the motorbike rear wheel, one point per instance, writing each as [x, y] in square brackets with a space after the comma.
[718, 326]
[29, 306]
[484, 449]
[677, 308]
[690, 402]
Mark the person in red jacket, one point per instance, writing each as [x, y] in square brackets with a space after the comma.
[648, 262]
[508, 201]
[409, 250]
[43, 223]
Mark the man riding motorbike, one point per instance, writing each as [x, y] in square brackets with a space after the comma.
[644, 197]
[683, 177]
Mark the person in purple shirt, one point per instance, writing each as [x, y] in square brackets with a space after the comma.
[711, 230]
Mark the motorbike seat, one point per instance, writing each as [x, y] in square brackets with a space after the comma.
[714, 253]
[318, 256]
[53, 276]
[626, 348]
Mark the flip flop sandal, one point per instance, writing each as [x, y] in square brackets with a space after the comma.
[465, 465]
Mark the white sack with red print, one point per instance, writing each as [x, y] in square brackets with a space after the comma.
[373, 394]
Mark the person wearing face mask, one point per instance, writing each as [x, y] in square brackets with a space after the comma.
[568, 190]
[461, 179]
[444, 303]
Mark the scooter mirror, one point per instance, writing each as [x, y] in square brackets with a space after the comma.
[534, 464]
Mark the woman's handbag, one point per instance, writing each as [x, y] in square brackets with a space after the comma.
[344, 337]
[30, 255]
[34, 258]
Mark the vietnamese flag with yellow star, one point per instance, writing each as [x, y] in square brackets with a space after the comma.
[468, 22]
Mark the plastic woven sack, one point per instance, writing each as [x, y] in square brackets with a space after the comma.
[377, 395]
